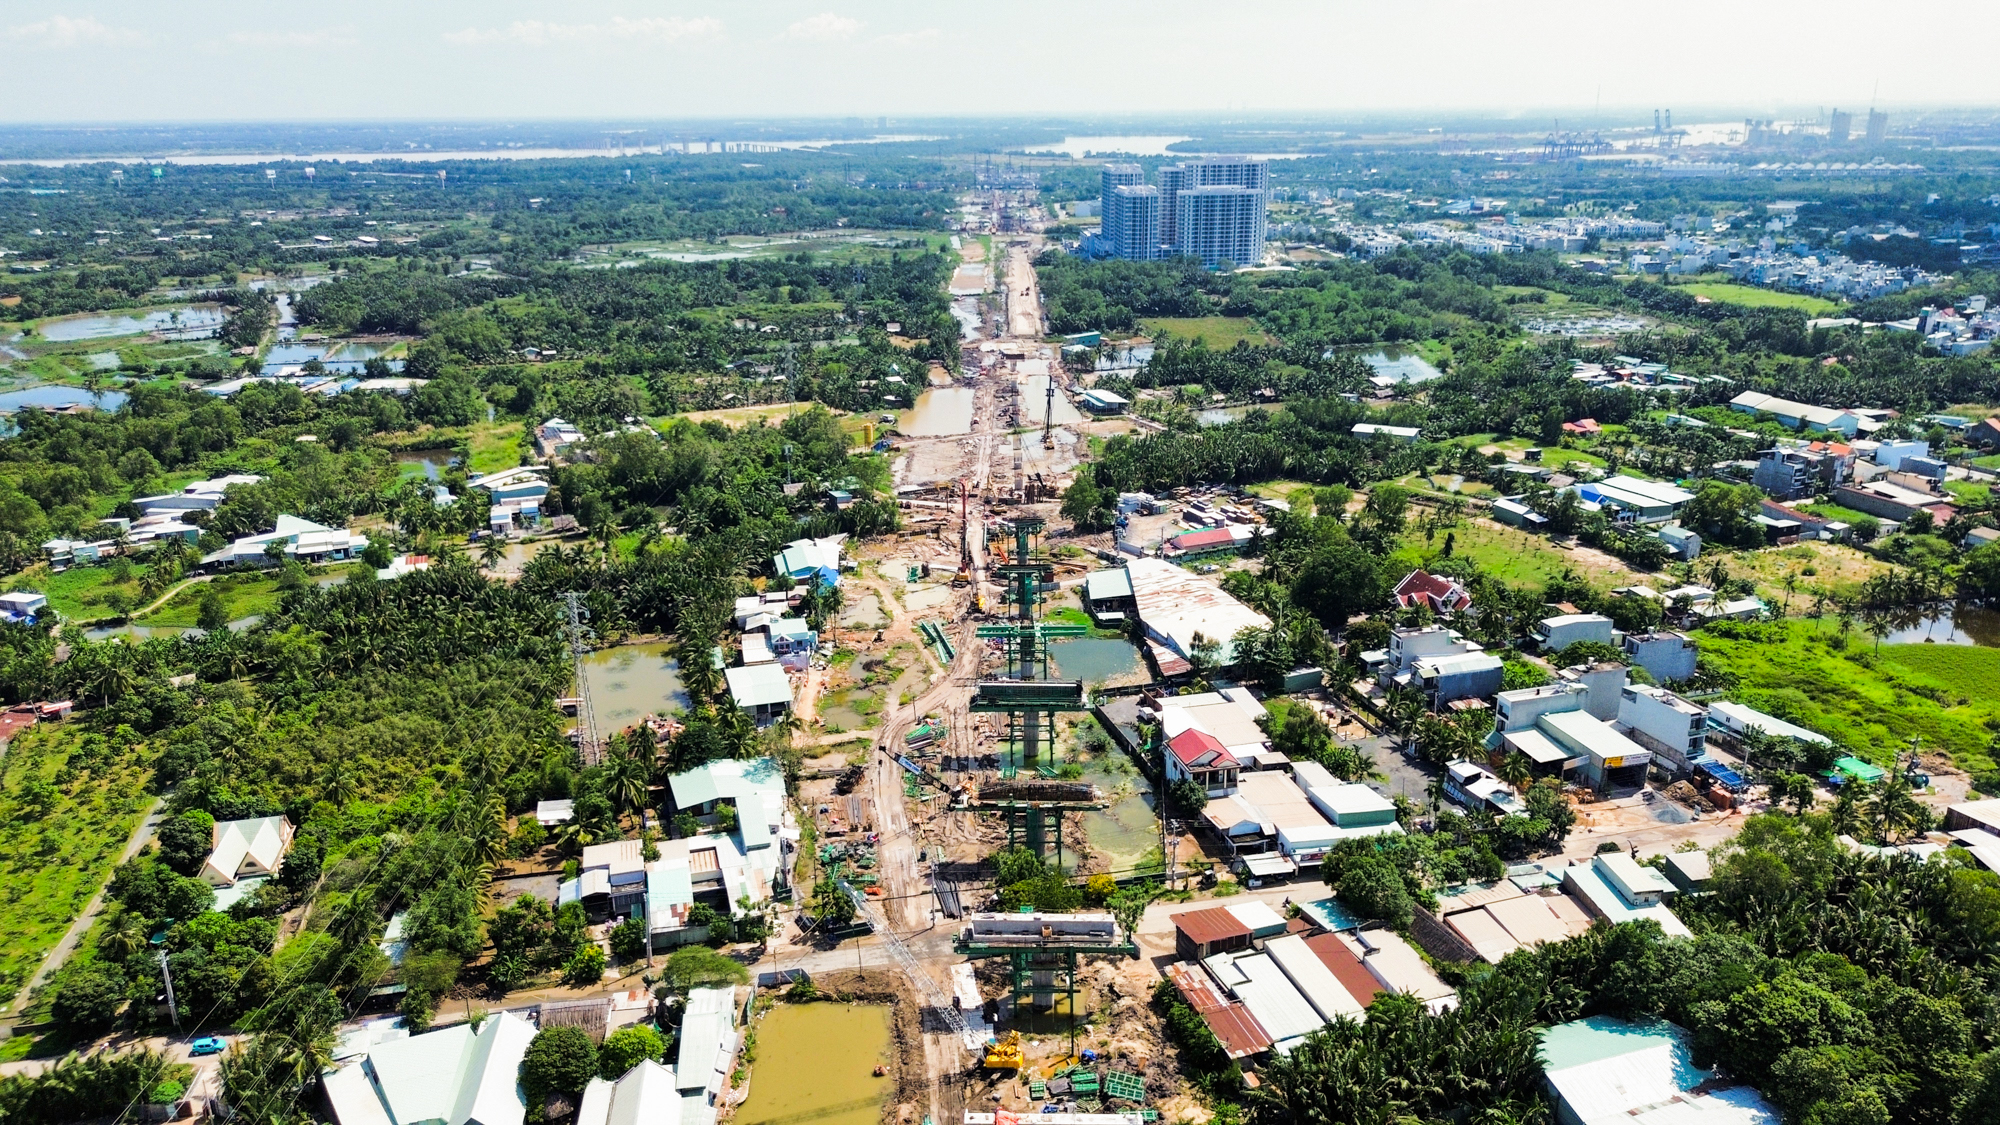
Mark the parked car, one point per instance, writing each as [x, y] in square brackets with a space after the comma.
[208, 1045]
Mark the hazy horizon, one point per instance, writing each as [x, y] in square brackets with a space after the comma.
[120, 62]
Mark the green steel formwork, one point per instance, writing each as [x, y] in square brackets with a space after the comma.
[1124, 1087]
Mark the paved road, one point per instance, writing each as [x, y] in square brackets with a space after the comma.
[60, 954]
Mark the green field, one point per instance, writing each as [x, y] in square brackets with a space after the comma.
[1221, 332]
[243, 594]
[68, 802]
[1942, 694]
[1750, 296]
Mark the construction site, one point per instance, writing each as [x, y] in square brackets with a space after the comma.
[962, 749]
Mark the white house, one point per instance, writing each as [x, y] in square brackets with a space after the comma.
[296, 538]
[242, 849]
[452, 1076]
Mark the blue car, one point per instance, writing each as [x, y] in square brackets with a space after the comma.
[208, 1045]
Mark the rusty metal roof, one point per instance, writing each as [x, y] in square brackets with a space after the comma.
[1204, 927]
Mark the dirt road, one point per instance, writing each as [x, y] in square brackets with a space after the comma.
[1024, 294]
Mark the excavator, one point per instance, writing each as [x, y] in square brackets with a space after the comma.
[1005, 1054]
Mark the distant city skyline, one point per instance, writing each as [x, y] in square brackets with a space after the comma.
[229, 60]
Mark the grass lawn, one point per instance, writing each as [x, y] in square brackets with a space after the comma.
[83, 593]
[1513, 557]
[1752, 297]
[243, 594]
[495, 446]
[58, 853]
[1221, 332]
[1837, 569]
[1943, 694]
[1969, 492]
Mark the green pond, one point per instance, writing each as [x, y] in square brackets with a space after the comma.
[1097, 661]
[627, 682]
[816, 1062]
[1127, 831]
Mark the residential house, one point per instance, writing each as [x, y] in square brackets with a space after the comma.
[402, 565]
[1583, 427]
[1729, 722]
[1512, 511]
[707, 1052]
[452, 1076]
[645, 1095]
[1681, 543]
[1615, 887]
[1196, 755]
[22, 606]
[1437, 661]
[1893, 501]
[1984, 433]
[1226, 540]
[761, 690]
[1551, 728]
[1230, 716]
[1603, 684]
[525, 482]
[1889, 454]
[1442, 595]
[610, 881]
[1474, 787]
[1664, 723]
[1498, 918]
[1789, 474]
[810, 560]
[1666, 656]
[244, 849]
[294, 538]
[1556, 633]
[1602, 1069]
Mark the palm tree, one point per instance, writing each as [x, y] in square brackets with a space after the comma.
[1846, 812]
[627, 781]
[336, 786]
[1516, 770]
[571, 836]
[1791, 583]
[1895, 810]
[492, 552]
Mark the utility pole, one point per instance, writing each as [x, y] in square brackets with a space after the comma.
[167, 974]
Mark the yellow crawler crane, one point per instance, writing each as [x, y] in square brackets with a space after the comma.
[1005, 1054]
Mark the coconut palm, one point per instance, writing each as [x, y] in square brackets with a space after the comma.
[626, 782]
[1516, 770]
[1895, 810]
[492, 552]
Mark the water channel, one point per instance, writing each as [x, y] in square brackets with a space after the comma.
[816, 1062]
[1127, 145]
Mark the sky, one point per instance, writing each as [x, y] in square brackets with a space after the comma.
[229, 60]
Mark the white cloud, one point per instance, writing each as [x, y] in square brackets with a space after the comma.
[63, 31]
[921, 38]
[538, 33]
[316, 37]
[826, 25]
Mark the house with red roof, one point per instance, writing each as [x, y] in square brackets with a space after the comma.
[1584, 426]
[1443, 595]
[1194, 753]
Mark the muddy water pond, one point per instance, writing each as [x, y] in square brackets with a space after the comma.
[816, 1062]
[940, 412]
[628, 682]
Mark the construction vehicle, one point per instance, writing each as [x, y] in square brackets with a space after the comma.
[1004, 1054]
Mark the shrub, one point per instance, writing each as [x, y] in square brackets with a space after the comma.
[628, 939]
[560, 1060]
[89, 998]
[586, 968]
[623, 1049]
